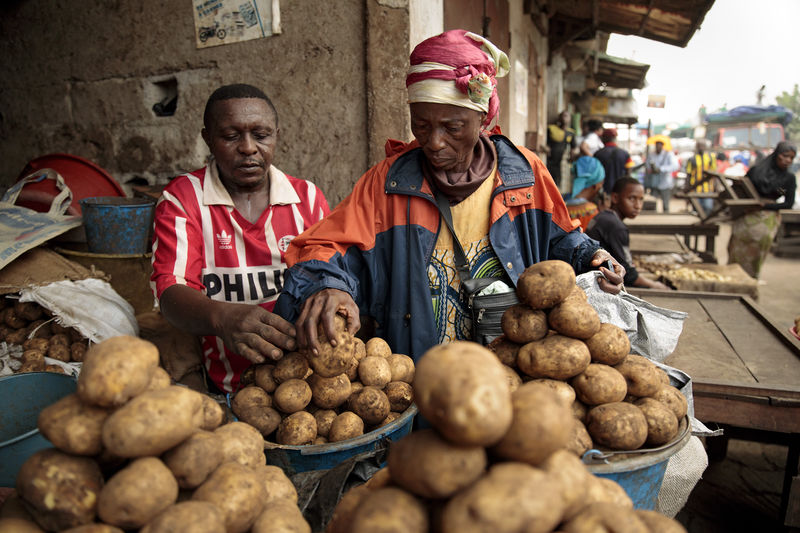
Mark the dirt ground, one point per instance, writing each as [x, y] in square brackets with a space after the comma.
[742, 492]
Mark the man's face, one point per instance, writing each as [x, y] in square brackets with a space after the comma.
[629, 202]
[701, 146]
[564, 117]
[242, 135]
[784, 160]
[447, 134]
[659, 147]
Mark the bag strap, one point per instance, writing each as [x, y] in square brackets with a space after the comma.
[462, 265]
[58, 205]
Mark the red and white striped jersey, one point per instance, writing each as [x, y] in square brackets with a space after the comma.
[203, 242]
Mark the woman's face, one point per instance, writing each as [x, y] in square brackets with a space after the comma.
[447, 134]
[783, 160]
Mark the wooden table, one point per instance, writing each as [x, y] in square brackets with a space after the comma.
[745, 374]
[787, 243]
[688, 227]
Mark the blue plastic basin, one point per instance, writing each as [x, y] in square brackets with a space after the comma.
[117, 225]
[24, 396]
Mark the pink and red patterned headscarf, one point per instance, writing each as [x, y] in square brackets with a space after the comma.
[459, 68]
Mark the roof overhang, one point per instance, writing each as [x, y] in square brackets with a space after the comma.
[619, 72]
[668, 21]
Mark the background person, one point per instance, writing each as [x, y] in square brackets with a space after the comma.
[701, 161]
[608, 228]
[385, 253]
[221, 233]
[752, 234]
[614, 159]
[591, 142]
[560, 140]
[659, 167]
[587, 181]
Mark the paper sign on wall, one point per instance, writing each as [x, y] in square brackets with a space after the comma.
[219, 22]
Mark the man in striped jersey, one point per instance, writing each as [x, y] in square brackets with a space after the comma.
[221, 233]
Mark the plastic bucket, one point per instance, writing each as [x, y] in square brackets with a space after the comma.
[24, 396]
[117, 225]
[296, 459]
[639, 472]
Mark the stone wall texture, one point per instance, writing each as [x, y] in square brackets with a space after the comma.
[81, 77]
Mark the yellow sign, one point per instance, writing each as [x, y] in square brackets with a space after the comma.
[599, 105]
[656, 100]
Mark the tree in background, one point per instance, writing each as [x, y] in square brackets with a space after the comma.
[791, 101]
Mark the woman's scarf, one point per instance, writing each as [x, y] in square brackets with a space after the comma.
[769, 180]
[456, 186]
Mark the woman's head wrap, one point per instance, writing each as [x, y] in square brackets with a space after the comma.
[459, 68]
[587, 172]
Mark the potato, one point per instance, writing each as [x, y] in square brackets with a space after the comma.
[342, 516]
[32, 361]
[428, 466]
[264, 378]
[39, 329]
[641, 374]
[60, 339]
[4, 330]
[575, 319]
[282, 517]
[329, 393]
[390, 510]
[371, 404]
[545, 284]
[555, 357]
[572, 477]
[599, 517]
[254, 406]
[55, 369]
[402, 367]
[579, 439]
[94, 528]
[237, 492]
[511, 497]
[73, 426]
[400, 395]
[324, 418]
[14, 507]
[579, 410]
[461, 388]
[347, 425]
[610, 345]
[391, 417]
[29, 311]
[59, 490]
[319, 439]
[19, 525]
[136, 494]
[514, 379]
[213, 415]
[291, 366]
[662, 425]
[521, 324]
[59, 352]
[381, 478]
[153, 422]
[537, 411]
[618, 425]
[116, 370]
[12, 319]
[375, 370]
[333, 360]
[674, 399]
[297, 429]
[377, 346]
[505, 350]
[160, 380]
[242, 443]
[563, 390]
[277, 486]
[292, 396]
[604, 490]
[577, 294]
[599, 384]
[657, 522]
[193, 460]
[17, 336]
[40, 345]
[187, 517]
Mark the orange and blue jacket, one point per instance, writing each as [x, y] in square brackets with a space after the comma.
[376, 244]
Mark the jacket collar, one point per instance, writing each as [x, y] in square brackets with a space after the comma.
[281, 191]
[405, 175]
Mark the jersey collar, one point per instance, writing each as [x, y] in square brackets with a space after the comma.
[281, 191]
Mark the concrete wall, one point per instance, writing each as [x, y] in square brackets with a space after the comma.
[81, 77]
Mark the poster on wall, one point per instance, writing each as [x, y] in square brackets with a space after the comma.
[219, 22]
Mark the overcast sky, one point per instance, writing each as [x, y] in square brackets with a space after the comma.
[741, 45]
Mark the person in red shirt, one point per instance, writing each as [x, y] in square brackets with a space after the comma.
[221, 233]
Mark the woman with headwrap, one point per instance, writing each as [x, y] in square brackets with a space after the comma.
[752, 234]
[588, 178]
[384, 251]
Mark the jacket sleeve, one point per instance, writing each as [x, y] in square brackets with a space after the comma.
[330, 254]
[567, 241]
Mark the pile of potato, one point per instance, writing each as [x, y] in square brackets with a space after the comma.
[21, 320]
[494, 461]
[693, 274]
[554, 337]
[336, 395]
[133, 452]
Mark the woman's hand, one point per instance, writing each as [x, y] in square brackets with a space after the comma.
[612, 280]
[321, 308]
